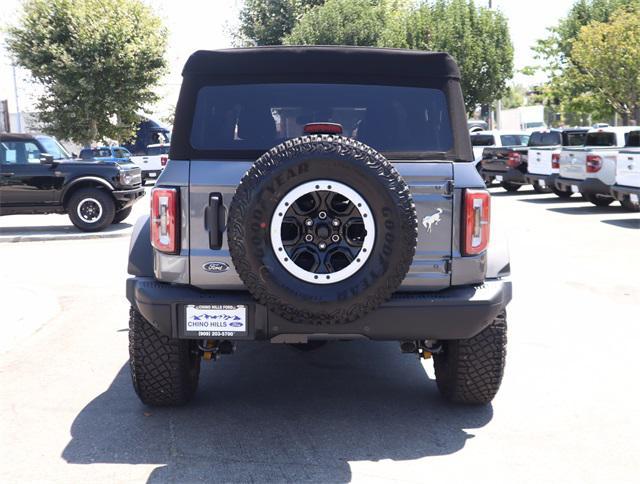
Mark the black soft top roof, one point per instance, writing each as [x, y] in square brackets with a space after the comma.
[321, 60]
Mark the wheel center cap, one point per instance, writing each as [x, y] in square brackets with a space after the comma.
[323, 231]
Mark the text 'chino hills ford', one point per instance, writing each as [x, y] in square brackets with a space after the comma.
[315, 194]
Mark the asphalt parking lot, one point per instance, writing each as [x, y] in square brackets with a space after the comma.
[567, 411]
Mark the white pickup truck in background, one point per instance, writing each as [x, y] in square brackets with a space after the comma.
[627, 186]
[543, 156]
[153, 162]
[591, 169]
[495, 139]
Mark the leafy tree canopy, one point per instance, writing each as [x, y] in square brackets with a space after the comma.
[267, 22]
[478, 38]
[607, 57]
[98, 61]
[567, 90]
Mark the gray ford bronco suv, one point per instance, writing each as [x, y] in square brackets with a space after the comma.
[315, 194]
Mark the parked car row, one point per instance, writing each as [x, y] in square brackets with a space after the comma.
[602, 164]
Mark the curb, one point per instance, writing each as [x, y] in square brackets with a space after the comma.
[77, 236]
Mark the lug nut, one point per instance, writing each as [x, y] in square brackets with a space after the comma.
[322, 215]
[335, 238]
[322, 246]
[335, 222]
[308, 222]
[308, 237]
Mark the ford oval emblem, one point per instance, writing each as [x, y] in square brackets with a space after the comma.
[216, 267]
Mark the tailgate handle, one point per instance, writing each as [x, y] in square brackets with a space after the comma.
[215, 216]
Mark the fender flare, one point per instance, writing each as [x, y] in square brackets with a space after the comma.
[140, 250]
[81, 179]
[498, 259]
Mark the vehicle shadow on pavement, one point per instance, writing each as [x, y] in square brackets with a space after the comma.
[273, 413]
[57, 230]
[551, 199]
[589, 210]
[504, 193]
[627, 223]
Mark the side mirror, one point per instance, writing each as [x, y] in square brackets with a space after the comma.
[46, 159]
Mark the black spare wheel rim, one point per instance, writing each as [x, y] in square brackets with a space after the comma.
[322, 229]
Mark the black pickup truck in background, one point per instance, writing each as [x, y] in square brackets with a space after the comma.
[508, 165]
[38, 176]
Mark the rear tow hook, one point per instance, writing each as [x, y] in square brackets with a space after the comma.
[423, 348]
[212, 348]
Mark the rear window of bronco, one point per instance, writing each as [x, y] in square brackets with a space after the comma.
[258, 116]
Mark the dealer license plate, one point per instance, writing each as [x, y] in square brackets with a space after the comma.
[542, 184]
[575, 189]
[152, 175]
[499, 178]
[209, 320]
[634, 198]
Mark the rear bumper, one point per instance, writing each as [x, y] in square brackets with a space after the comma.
[512, 175]
[126, 198]
[593, 186]
[549, 180]
[620, 192]
[455, 313]
[565, 184]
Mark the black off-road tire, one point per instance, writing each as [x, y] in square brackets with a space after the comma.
[598, 201]
[510, 187]
[627, 204]
[164, 370]
[470, 370]
[565, 194]
[106, 203]
[538, 189]
[121, 215]
[313, 158]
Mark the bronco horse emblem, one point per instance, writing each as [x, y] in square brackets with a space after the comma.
[430, 220]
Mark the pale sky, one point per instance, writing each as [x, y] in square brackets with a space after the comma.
[208, 24]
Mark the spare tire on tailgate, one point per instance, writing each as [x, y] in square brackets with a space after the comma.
[322, 229]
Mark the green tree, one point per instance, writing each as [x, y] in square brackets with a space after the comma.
[607, 57]
[479, 40]
[98, 61]
[352, 22]
[267, 22]
[567, 91]
[476, 37]
[514, 97]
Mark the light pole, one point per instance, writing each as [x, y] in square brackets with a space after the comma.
[15, 90]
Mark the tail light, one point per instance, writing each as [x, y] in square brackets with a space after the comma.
[163, 160]
[477, 215]
[555, 161]
[514, 159]
[594, 163]
[165, 220]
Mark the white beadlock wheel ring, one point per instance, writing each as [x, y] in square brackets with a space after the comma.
[82, 216]
[365, 214]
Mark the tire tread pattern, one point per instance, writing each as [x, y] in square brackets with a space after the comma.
[163, 369]
[470, 370]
